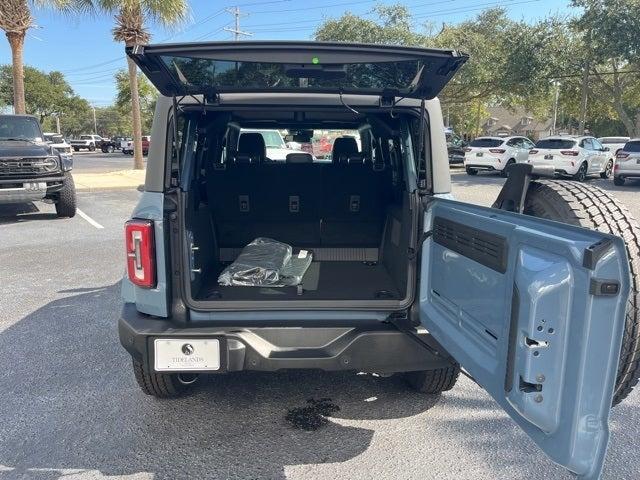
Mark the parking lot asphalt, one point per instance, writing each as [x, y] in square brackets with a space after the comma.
[98, 162]
[71, 408]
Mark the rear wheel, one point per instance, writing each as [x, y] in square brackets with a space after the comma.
[66, 202]
[161, 385]
[471, 171]
[92, 148]
[591, 207]
[581, 174]
[619, 181]
[606, 173]
[433, 381]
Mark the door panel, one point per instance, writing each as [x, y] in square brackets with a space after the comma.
[508, 296]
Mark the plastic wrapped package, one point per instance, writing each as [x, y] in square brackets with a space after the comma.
[266, 263]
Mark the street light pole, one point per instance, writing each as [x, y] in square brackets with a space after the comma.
[555, 106]
[95, 124]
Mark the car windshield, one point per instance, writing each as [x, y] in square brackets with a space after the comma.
[555, 143]
[633, 147]
[486, 142]
[54, 138]
[19, 128]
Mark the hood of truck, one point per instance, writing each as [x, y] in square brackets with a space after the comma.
[23, 148]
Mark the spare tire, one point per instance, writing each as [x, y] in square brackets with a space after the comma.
[588, 206]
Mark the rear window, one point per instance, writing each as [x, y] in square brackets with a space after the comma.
[555, 143]
[632, 147]
[486, 142]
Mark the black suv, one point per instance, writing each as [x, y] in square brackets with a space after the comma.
[31, 169]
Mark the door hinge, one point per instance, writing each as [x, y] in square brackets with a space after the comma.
[413, 252]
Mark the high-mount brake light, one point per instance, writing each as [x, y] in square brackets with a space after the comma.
[141, 263]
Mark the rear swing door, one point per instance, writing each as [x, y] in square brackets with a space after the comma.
[534, 311]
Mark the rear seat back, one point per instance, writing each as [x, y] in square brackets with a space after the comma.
[303, 204]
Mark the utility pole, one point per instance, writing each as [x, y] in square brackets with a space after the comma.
[236, 31]
[585, 98]
[58, 122]
[95, 124]
[555, 107]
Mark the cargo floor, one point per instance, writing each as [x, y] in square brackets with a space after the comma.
[329, 280]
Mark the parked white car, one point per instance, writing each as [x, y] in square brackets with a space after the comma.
[58, 142]
[277, 149]
[495, 154]
[614, 144]
[578, 157]
[88, 142]
[627, 162]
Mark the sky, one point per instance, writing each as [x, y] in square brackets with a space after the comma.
[82, 47]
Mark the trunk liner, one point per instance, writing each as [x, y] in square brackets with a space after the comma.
[323, 281]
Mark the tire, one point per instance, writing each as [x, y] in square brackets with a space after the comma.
[76, 149]
[92, 148]
[433, 381]
[504, 172]
[581, 174]
[591, 207]
[471, 171]
[110, 149]
[66, 202]
[618, 181]
[159, 385]
[608, 170]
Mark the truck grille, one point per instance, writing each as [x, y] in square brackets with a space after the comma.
[28, 166]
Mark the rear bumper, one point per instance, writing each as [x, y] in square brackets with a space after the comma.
[380, 349]
[627, 172]
[484, 163]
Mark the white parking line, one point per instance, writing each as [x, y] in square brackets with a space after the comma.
[89, 220]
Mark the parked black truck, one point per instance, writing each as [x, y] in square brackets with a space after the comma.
[31, 169]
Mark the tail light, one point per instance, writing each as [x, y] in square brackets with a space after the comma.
[616, 167]
[497, 150]
[622, 155]
[533, 151]
[467, 149]
[141, 263]
[571, 153]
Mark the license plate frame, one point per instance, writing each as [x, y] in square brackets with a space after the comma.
[207, 354]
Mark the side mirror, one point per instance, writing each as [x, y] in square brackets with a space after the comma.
[606, 149]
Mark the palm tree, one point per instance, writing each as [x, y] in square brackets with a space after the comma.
[130, 17]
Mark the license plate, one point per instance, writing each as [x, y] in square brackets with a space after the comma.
[548, 157]
[479, 154]
[34, 186]
[186, 354]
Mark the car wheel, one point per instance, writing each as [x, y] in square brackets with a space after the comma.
[591, 207]
[608, 170]
[66, 202]
[76, 149]
[110, 149]
[161, 385]
[433, 381]
[471, 171]
[505, 171]
[92, 148]
[618, 181]
[581, 174]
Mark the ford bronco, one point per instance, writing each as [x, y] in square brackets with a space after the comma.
[536, 298]
[32, 169]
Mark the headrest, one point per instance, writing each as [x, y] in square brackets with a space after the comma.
[343, 147]
[299, 158]
[251, 144]
[355, 159]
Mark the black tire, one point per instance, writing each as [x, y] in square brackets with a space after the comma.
[504, 172]
[608, 170]
[581, 174]
[160, 385]
[471, 171]
[66, 201]
[588, 206]
[76, 149]
[92, 148]
[618, 181]
[433, 381]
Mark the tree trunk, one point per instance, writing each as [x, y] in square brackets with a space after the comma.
[16, 41]
[135, 114]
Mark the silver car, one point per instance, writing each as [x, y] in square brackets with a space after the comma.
[627, 162]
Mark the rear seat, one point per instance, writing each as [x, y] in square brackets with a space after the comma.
[303, 204]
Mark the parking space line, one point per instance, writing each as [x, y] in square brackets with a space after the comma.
[89, 220]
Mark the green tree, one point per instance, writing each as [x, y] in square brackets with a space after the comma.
[131, 17]
[16, 20]
[146, 92]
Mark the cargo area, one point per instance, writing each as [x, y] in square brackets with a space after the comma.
[348, 209]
